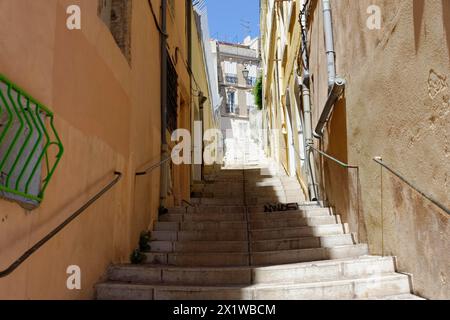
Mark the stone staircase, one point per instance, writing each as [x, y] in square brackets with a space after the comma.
[225, 247]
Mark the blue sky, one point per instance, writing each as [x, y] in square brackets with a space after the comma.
[226, 19]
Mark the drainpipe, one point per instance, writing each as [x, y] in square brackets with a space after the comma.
[304, 82]
[336, 85]
[329, 43]
[164, 145]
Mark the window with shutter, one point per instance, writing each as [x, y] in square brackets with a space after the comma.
[116, 14]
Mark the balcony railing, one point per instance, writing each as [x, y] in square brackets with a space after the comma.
[28, 139]
[231, 79]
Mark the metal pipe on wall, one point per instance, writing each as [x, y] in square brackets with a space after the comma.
[336, 85]
[329, 43]
[304, 82]
[164, 145]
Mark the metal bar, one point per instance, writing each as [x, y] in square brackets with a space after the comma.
[33, 151]
[430, 198]
[44, 150]
[25, 144]
[152, 167]
[18, 133]
[58, 229]
[333, 159]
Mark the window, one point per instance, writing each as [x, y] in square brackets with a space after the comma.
[231, 102]
[250, 99]
[116, 14]
[231, 72]
[252, 75]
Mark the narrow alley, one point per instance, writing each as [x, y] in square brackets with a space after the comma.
[210, 150]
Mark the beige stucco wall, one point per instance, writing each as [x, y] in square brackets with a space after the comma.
[390, 110]
[108, 117]
[393, 107]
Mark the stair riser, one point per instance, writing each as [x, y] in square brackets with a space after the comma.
[199, 246]
[200, 226]
[304, 243]
[230, 235]
[217, 202]
[212, 209]
[300, 222]
[288, 215]
[260, 208]
[241, 225]
[289, 274]
[306, 255]
[320, 231]
[198, 260]
[249, 193]
[266, 200]
[198, 217]
[359, 289]
[257, 259]
[202, 217]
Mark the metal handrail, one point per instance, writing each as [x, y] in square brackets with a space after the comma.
[358, 183]
[345, 165]
[55, 231]
[152, 167]
[430, 198]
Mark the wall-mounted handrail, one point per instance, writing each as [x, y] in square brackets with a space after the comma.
[55, 231]
[425, 195]
[358, 183]
[342, 164]
[152, 167]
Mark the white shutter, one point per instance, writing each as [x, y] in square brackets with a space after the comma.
[250, 99]
[230, 68]
[233, 68]
[253, 71]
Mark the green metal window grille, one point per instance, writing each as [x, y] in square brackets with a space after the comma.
[30, 148]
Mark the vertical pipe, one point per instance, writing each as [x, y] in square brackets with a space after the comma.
[329, 43]
[164, 145]
[306, 99]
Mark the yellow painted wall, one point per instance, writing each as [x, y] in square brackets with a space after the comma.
[108, 117]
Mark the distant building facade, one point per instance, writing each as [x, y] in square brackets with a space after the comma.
[238, 70]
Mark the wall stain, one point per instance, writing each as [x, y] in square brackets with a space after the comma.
[436, 84]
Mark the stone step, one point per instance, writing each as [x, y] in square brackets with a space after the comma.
[208, 209]
[277, 223]
[199, 246]
[220, 259]
[217, 202]
[387, 285]
[290, 214]
[257, 246]
[229, 235]
[260, 208]
[305, 255]
[302, 243]
[281, 199]
[201, 226]
[197, 259]
[299, 232]
[406, 296]
[211, 225]
[212, 216]
[203, 217]
[298, 273]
